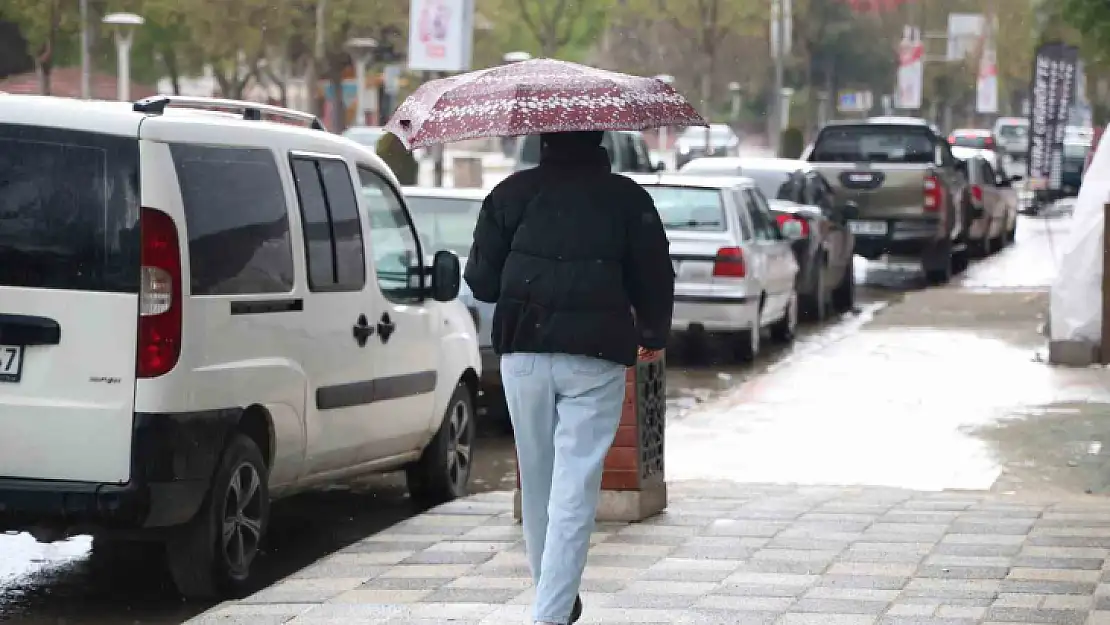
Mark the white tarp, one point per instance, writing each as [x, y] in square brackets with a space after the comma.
[1075, 308]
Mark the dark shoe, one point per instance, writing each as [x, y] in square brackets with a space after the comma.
[576, 611]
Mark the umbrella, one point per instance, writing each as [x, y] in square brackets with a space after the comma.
[535, 96]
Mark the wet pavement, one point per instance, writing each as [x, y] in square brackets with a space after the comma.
[924, 388]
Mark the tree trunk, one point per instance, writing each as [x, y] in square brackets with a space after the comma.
[338, 106]
[169, 59]
[44, 70]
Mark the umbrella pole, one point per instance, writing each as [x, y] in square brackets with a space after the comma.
[437, 150]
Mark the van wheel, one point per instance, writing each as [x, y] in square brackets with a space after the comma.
[443, 472]
[212, 555]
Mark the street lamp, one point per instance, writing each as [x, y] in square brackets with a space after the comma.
[666, 79]
[125, 25]
[362, 51]
[516, 57]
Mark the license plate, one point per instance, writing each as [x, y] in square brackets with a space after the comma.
[867, 227]
[11, 363]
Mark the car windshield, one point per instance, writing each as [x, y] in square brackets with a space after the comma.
[874, 143]
[445, 223]
[1013, 132]
[689, 208]
[774, 184]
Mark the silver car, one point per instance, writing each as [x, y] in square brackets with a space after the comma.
[445, 220]
[734, 268]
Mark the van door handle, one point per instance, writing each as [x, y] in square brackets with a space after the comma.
[362, 331]
[385, 328]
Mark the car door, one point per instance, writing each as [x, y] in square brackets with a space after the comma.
[781, 266]
[337, 358]
[404, 344]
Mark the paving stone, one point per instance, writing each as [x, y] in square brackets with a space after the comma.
[875, 582]
[963, 572]
[1037, 615]
[1046, 587]
[839, 606]
[1088, 564]
[925, 620]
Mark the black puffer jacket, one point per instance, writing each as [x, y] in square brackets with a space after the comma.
[568, 250]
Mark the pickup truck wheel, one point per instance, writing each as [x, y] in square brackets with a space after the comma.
[938, 269]
[213, 554]
[844, 295]
[442, 473]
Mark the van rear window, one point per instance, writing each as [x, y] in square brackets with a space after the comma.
[69, 210]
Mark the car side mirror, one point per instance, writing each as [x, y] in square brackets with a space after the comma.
[446, 276]
[660, 166]
[850, 210]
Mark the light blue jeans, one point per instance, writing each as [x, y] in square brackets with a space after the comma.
[565, 411]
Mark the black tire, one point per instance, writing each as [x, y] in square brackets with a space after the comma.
[844, 295]
[746, 345]
[211, 556]
[815, 306]
[784, 330]
[939, 271]
[442, 473]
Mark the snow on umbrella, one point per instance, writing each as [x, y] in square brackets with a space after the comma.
[530, 97]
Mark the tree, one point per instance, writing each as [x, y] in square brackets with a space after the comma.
[50, 28]
[556, 26]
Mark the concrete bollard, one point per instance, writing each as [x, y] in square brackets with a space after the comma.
[633, 484]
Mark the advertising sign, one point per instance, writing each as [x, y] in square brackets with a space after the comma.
[1052, 88]
[986, 86]
[911, 69]
[441, 35]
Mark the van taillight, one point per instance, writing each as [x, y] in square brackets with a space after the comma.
[159, 295]
[932, 190]
[729, 263]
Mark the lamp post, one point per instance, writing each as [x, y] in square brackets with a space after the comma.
[362, 51]
[86, 64]
[124, 25]
[666, 79]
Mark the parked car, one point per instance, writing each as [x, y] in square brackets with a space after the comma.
[365, 135]
[992, 206]
[734, 269]
[1074, 165]
[823, 247]
[905, 180]
[694, 143]
[445, 219]
[628, 152]
[1012, 134]
[197, 321]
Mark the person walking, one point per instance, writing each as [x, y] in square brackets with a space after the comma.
[576, 259]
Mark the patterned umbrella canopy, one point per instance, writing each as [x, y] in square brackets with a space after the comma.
[530, 97]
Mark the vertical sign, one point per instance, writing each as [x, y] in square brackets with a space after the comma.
[911, 69]
[441, 35]
[986, 86]
[1052, 88]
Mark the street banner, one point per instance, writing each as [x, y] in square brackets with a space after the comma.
[441, 35]
[986, 87]
[1052, 88]
[911, 69]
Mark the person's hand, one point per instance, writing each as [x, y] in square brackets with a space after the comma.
[649, 354]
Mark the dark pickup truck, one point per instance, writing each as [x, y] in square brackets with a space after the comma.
[907, 185]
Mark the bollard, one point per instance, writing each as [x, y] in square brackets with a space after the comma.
[633, 484]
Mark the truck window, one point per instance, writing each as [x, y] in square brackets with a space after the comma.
[873, 143]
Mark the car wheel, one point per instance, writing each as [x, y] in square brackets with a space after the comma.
[213, 554]
[747, 341]
[844, 295]
[442, 473]
[815, 305]
[783, 331]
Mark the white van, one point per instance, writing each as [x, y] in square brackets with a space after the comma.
[196, 317]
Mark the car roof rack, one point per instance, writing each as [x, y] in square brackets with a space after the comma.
[251, 111]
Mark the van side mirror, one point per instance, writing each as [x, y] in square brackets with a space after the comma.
[660, 166]
[446, 276]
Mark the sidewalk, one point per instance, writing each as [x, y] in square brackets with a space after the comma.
[725, 554]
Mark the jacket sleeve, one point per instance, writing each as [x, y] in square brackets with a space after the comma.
[488, 252]
[649, 274]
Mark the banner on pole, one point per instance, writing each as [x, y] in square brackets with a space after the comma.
[911, 69]
[441, 35]
[1052, 88]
